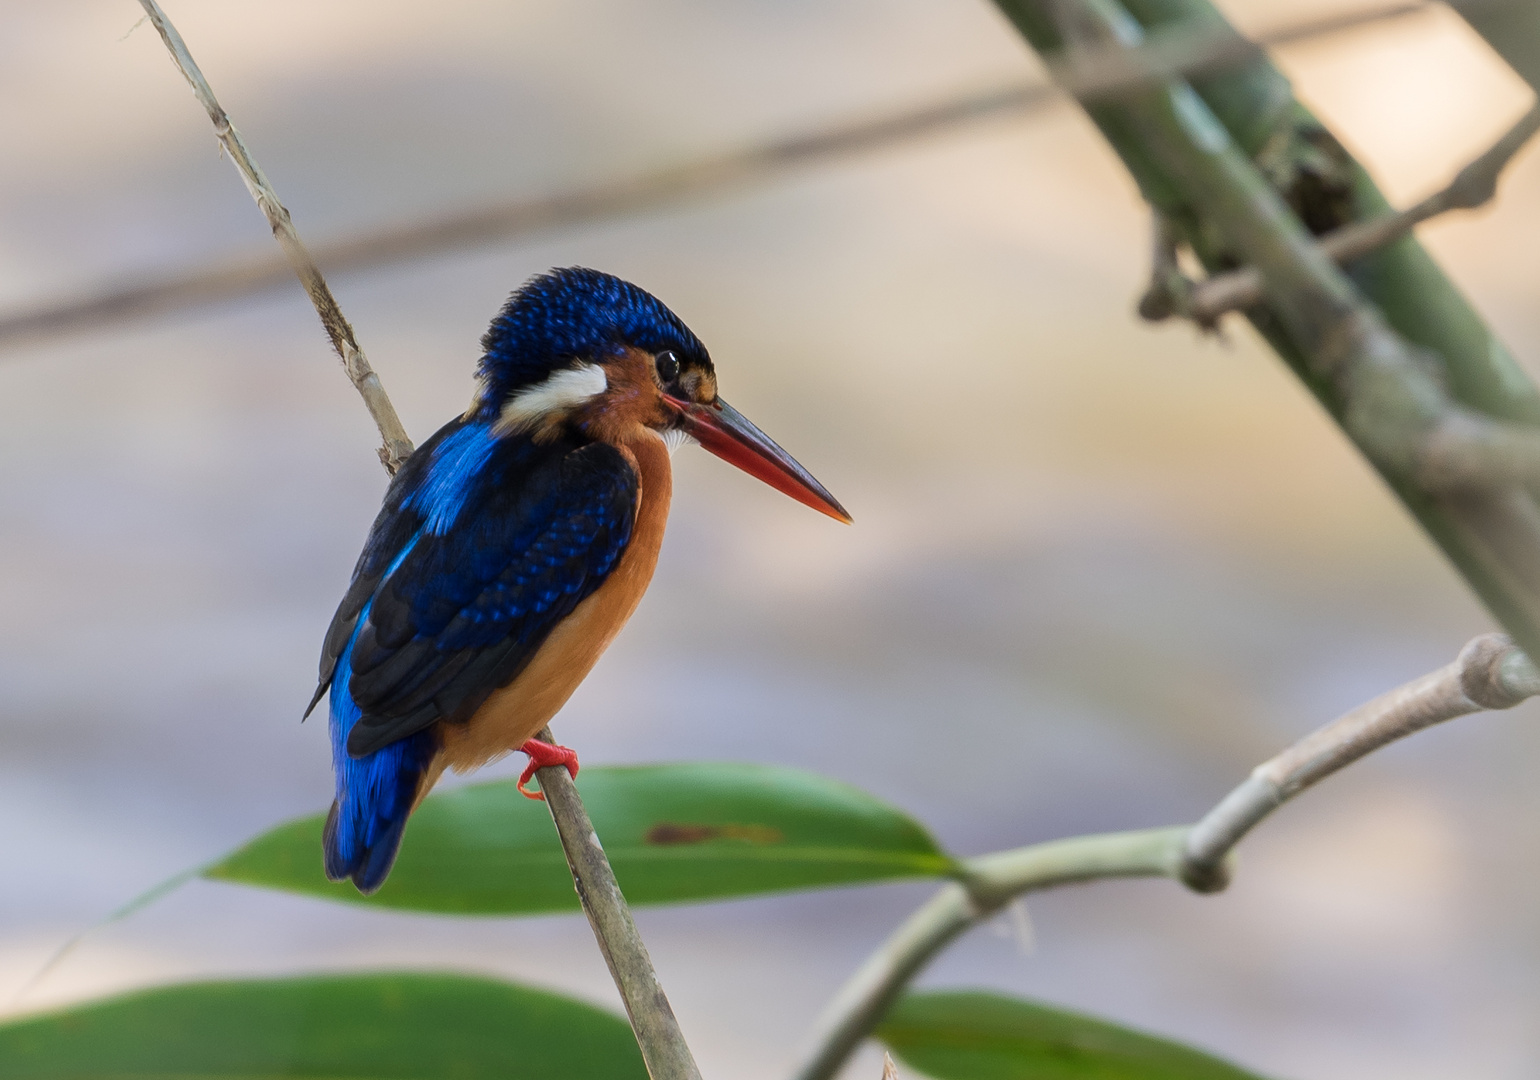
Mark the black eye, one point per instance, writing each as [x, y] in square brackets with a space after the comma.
[668, 366]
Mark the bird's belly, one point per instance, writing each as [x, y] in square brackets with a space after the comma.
[513, 713]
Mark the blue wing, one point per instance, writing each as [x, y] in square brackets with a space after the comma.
[483, 546]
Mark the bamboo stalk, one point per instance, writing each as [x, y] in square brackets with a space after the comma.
[1392, 350]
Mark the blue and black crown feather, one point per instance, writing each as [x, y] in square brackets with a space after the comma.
[572, 312]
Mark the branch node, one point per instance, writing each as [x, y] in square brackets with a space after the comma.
[1206, 877]
[1466, 451]
[1484, 672]
[1169, 291]
[1476, 184]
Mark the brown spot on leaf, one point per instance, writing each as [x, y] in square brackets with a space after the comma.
[671, 833]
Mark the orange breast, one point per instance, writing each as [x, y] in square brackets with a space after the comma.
[512, 715]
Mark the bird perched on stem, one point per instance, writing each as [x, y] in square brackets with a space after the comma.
[513, 546]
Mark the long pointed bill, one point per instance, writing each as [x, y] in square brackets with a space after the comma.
[725, 432]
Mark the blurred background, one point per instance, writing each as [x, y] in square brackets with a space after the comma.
[1099, 570]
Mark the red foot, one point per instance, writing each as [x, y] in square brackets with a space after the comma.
[543, 755]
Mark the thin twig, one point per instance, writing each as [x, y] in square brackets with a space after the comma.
[988, 884]
[1490, 673]
[1104, 72]
[657, 1032]
[652, 1018]
[1170, 290]
[397, 446]
[1472, 187]
[134, 905]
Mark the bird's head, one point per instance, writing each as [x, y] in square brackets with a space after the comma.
[581, 351]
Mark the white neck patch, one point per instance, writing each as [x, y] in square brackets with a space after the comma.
[560, 392]
[674, 438]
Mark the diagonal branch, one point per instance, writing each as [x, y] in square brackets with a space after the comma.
[1490, 673]
[397, 445]
[988, 884]
[652, 1020]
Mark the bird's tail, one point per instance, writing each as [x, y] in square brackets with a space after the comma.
[375, 796]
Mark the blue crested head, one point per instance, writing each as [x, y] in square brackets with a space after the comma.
[577, 313]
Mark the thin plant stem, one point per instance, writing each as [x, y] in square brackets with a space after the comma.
[652, 1018]
[1490, 673]
[397, 446]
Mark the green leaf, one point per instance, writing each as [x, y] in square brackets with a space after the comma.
[372, 1027]
[673, 833]
[980, 1036]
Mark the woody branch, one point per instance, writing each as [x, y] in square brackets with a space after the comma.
[1490, 673]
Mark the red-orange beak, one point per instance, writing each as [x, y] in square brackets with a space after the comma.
[725, 432]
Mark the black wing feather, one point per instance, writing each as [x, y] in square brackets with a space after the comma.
[463, 612]
[393, 529]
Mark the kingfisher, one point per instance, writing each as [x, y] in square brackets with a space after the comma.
[512, 547]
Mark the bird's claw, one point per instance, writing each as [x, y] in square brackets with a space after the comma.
[543, 755]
